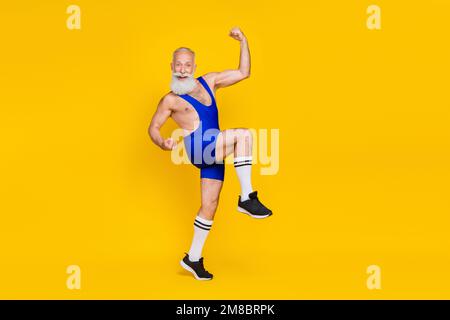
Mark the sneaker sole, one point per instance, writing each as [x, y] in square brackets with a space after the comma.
[186, 267]
[252, 215]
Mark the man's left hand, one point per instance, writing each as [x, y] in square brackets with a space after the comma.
[237, 34]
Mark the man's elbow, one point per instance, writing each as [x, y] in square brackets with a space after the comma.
[245, 74]
[151, 131]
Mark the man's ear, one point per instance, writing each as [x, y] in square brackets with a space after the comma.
[171, 66]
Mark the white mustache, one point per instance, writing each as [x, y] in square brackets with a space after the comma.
[179, 74]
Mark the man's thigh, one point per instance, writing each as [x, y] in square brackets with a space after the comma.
[210, 190]
[225, 143]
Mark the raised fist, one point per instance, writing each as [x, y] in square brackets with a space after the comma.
[237, 34]
[169, 144]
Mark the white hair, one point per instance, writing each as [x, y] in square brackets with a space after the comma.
[183, 49]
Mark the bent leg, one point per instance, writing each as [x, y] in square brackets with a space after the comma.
[239, 142]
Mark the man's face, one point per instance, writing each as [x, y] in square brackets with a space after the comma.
[183, 65]
[183, 69]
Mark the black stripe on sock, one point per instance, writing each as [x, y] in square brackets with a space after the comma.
[203, 224]
[241, 165]
[201, 227]
[242, 161]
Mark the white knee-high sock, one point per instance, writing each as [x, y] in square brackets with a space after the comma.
[201, 230]
[243, 166]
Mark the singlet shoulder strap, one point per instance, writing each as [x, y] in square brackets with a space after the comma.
[205, 85]
[193, 102]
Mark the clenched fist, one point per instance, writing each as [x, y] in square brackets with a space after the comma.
[169, 144]
[237, 34]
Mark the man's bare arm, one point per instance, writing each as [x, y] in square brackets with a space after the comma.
[161, 115]
[229, 77]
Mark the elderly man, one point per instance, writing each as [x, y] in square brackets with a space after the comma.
[192, 105]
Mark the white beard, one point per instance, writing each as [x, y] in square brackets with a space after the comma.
[182, 86]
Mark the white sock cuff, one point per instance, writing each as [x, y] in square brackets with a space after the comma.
[238, 159]
[204, 221]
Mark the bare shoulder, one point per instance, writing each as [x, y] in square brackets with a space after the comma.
[210, 78]
[168, 100]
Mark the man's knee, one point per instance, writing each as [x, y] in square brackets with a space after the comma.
[244, 143]
[244, 134]
[209, 207]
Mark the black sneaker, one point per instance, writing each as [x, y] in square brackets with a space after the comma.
[253, 207]
[196, 268]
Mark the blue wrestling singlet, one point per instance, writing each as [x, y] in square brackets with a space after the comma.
[201, 143]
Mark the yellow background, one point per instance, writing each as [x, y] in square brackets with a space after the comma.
[364, 150]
